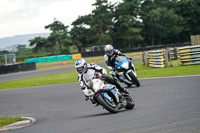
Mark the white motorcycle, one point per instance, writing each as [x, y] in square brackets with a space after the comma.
[107, 95]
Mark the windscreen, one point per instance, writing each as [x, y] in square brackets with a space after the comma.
[119, 58]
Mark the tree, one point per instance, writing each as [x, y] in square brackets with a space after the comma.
[59, 31]
[101, 21]
[21, 48]
[79, 31]
[189, 11]
[60, 39]
[56, 26]
[149, 26]
[4, 52]
[40, 43]
[163, 23]
[127, 26]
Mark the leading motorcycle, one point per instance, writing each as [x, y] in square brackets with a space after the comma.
[107, 95]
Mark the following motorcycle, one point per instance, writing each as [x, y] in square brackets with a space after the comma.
[107, 95]
[125, 71]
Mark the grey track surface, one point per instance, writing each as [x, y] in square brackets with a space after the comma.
[20, 75]
[163, 105]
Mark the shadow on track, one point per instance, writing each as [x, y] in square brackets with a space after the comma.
[97, 115]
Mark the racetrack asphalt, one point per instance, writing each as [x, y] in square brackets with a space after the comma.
[163, 105]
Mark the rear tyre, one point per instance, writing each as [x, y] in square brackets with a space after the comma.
[130, 103]
[134, 79]
[108, 105]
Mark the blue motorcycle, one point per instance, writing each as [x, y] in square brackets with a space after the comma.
[125, 71]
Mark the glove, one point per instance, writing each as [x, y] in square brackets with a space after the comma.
[130, 58]
[83, 88]
[98, 75]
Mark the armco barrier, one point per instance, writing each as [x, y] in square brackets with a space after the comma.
[156, 58]
[17, 68]
[189, 55]
[76, 56]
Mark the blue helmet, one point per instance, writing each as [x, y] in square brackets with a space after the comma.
[81, 65]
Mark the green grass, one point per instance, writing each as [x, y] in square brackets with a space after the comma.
[9, 120]
[57, 78]
[148, 72]
[68, 77]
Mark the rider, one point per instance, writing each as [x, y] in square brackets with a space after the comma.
[92, 70]
[110, 57]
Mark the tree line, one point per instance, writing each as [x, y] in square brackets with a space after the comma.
[126, 24]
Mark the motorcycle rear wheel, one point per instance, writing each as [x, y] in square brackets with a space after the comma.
[111, 107]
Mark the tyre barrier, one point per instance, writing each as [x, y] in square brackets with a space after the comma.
[173, 53]
[189, 55]
[156, 58]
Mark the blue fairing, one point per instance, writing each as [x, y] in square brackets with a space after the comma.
[108, 89]
[118, 65]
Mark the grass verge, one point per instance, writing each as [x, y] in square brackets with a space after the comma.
[148, 72]
[9, 120]
[68, 77]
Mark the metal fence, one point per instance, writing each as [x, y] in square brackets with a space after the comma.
[139, 49]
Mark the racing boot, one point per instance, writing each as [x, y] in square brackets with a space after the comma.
[114, 82]
[124, 90]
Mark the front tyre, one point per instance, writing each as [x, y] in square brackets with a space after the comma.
[134, 79]
[108, 105]
[130, 103]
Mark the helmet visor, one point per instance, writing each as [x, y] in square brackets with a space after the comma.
[80, 69]
[109, 52]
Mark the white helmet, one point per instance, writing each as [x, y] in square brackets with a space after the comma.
[109, 49]
[81, 65]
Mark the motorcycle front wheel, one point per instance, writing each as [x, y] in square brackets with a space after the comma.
[134, 79]
[108, 105]
[130, 103]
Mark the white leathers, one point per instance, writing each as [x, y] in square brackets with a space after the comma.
[91, 71]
